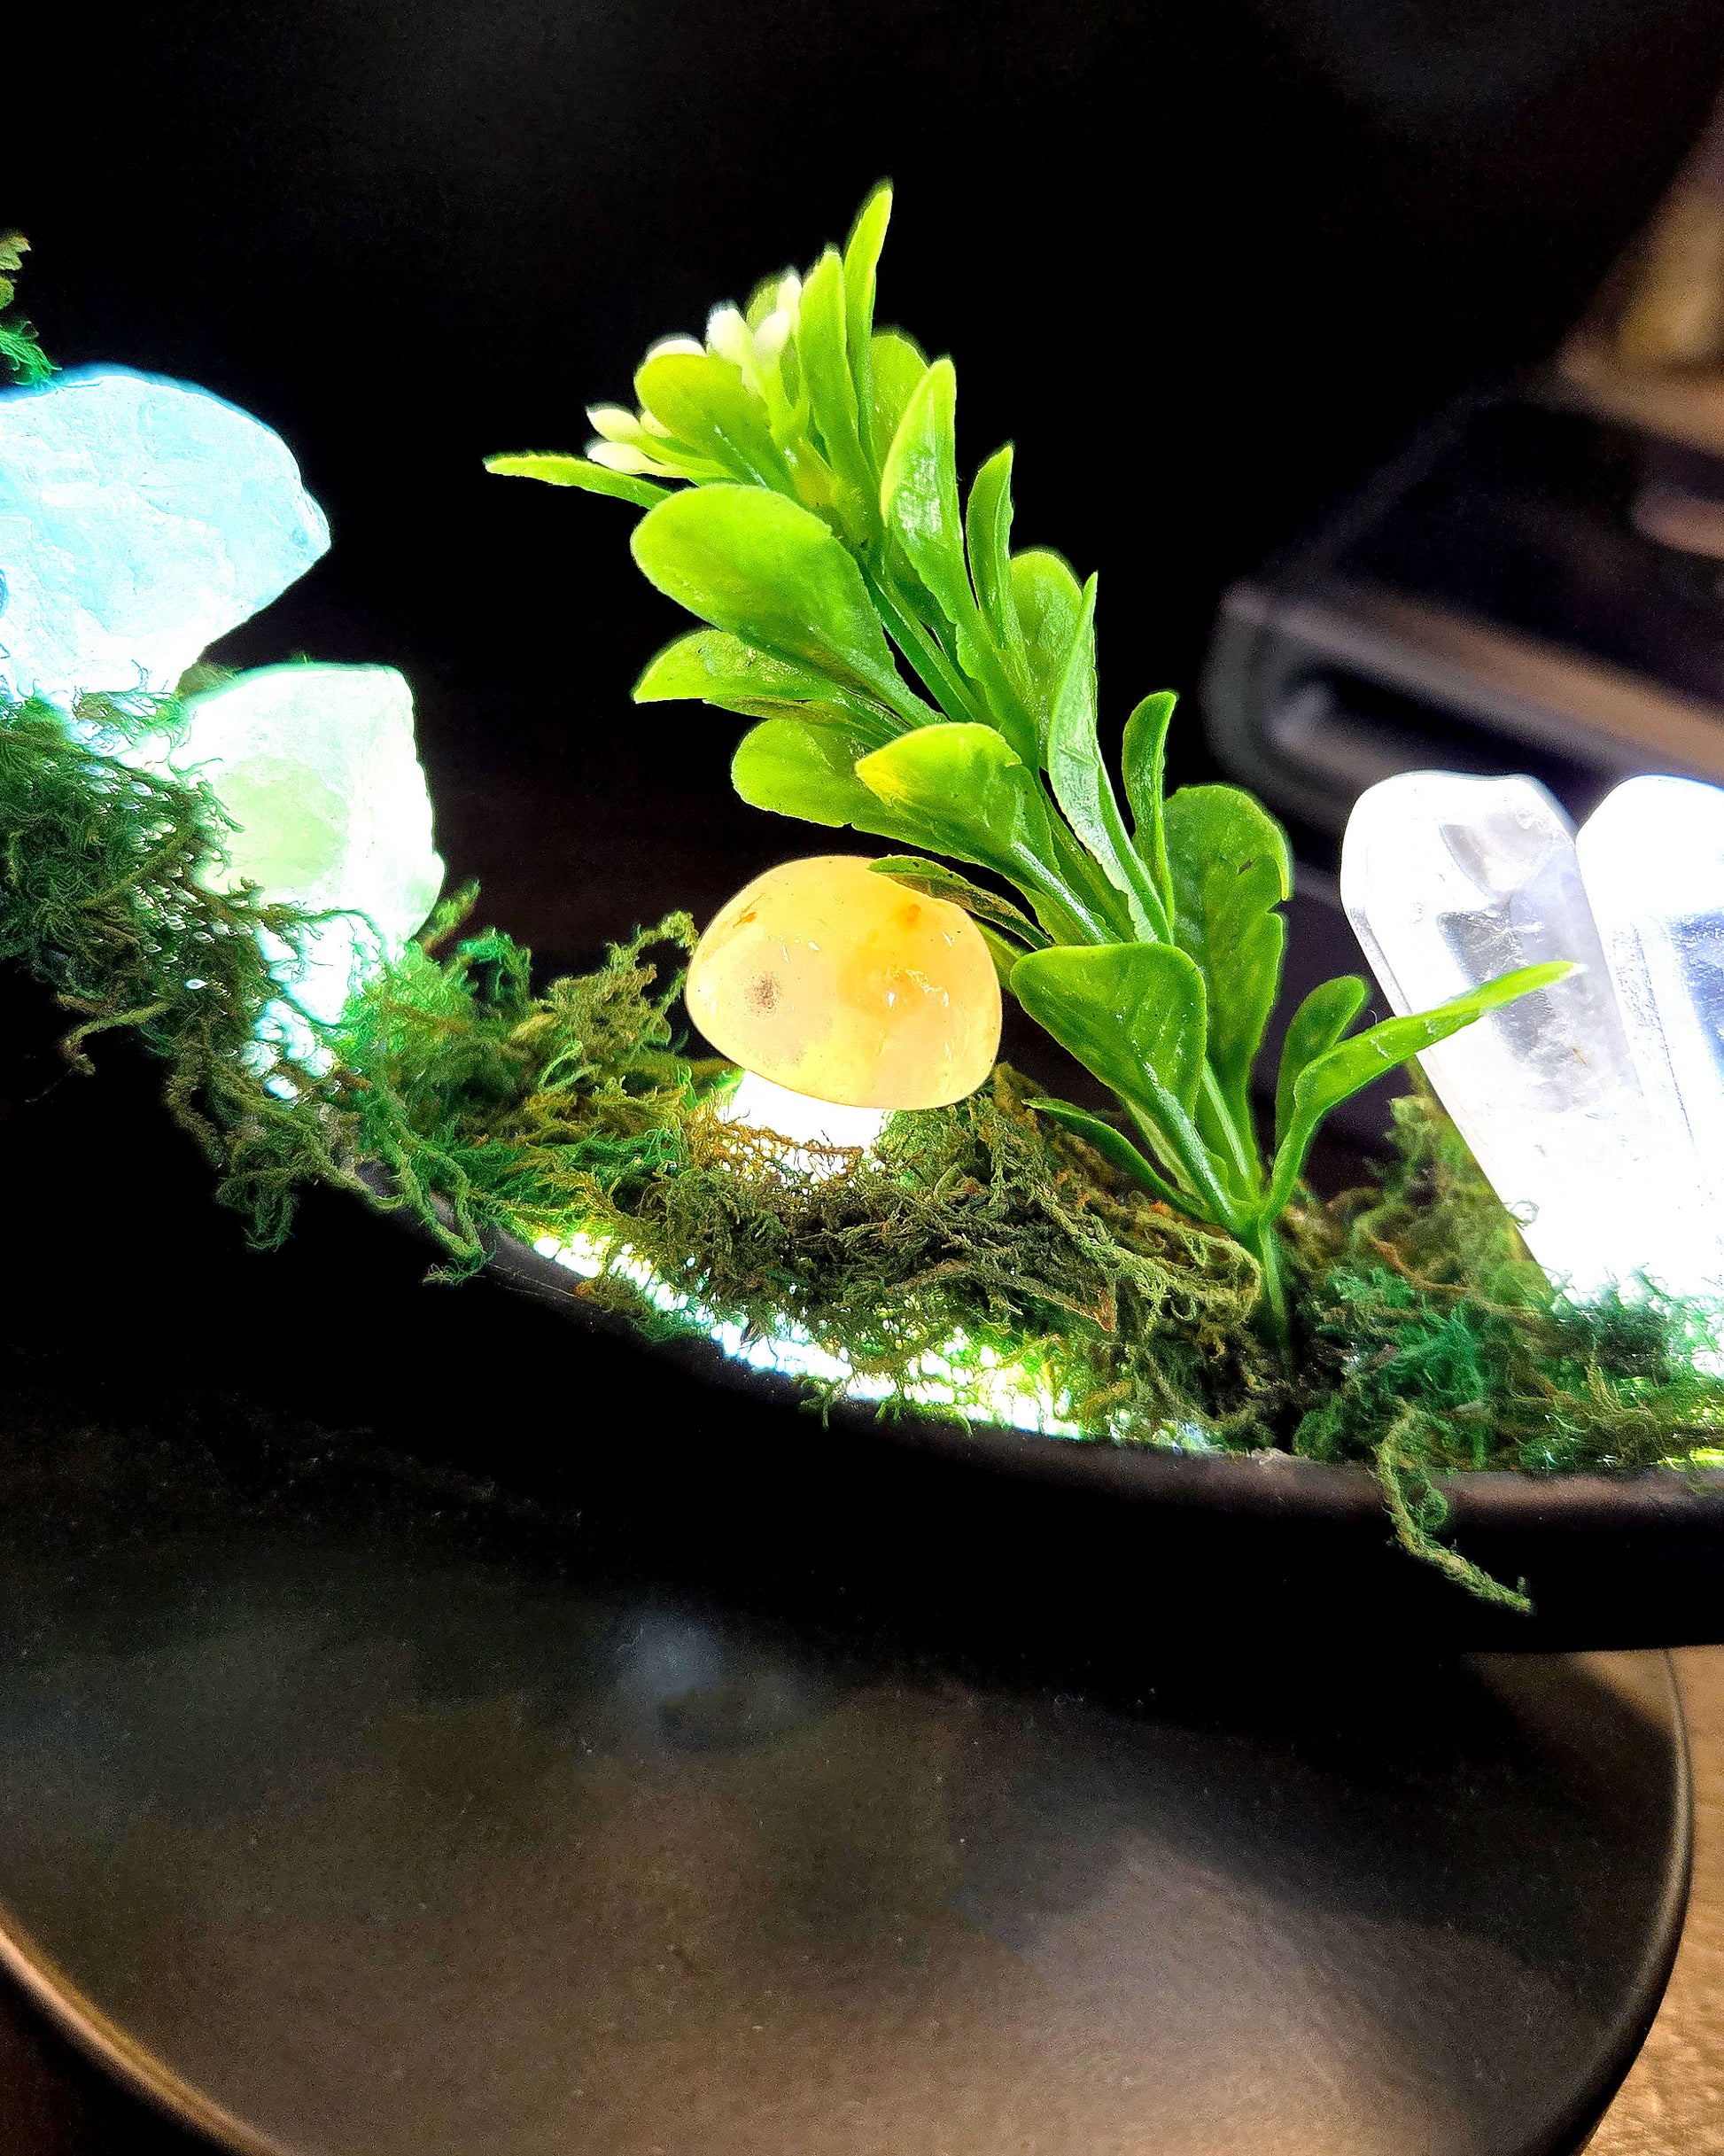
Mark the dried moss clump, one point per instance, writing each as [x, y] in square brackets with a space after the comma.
[980, 1225]
[492, 1107]
[980, 1221]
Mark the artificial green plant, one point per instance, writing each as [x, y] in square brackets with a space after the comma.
[913, 678]
[22, 360]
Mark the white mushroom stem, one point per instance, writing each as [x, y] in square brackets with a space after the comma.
[803, 1122]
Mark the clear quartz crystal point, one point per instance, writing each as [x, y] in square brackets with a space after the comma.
[1653, 858]
[140, 518]
[1450, 881]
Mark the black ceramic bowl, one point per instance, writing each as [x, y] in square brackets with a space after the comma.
[1614, 1560]
[131, 1295]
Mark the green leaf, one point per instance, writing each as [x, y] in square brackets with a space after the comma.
[1231, 868]
[896, 365]
[919, 500]
[987, 531]
[1315, 1028]
[706, 402]
[1083, 788]
[1143, 759]
[1050, 605]
[769, 572]
[938, 882]
[764, 299]
[1113, 1145]
[711, 667]
[824, 352]
[559, 470]
[962, 790]
[1128, 1011]
[861, 261]
[919, 494]
[1347, 1069]
[796, 769]
[1132, 1014]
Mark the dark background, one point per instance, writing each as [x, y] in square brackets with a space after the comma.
[1206, 263]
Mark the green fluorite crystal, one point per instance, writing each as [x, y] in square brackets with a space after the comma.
[317, 768]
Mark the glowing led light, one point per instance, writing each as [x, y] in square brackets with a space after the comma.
[140, 519]
[1449, 881]
[833, 982]
[978, 1383]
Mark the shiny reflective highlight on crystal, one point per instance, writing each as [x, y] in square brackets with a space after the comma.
[1654, 859]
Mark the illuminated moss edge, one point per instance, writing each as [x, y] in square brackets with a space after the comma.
[980, 1237]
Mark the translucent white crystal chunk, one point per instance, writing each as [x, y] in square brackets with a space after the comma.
[1653, 858]
[140, 519]
[316, 766]
[1450, 881]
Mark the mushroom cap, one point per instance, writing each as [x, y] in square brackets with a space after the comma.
[834, 982]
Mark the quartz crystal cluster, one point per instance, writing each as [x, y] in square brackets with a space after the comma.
[1594, 1107]
[140, 518]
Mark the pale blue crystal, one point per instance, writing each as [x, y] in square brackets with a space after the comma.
[140, 519]
[1449, 881]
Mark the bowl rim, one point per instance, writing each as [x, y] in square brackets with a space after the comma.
[1263, 1483]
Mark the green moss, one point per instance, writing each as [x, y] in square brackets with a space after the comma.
[1428, 1341]
[99, 898]
[980, 1222]
[1433, 1343]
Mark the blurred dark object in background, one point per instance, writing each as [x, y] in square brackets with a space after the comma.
[1650, 348]
[1529, 588]
[1534, 585]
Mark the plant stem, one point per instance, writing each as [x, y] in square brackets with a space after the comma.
[1264, 1245]
[951, 692]
[1238, 1143]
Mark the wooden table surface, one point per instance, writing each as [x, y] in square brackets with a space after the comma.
[1672, 2101]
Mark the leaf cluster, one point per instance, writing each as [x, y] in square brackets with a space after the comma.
[22, 360]
[913, 677]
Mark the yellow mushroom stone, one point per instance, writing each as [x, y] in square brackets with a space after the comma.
[834, 982]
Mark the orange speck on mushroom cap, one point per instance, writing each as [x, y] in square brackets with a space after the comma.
[834, 982]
